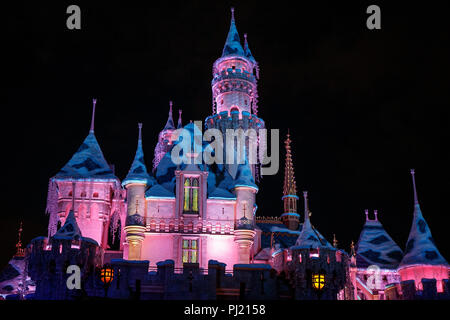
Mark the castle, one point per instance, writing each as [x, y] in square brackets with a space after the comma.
[191, 230]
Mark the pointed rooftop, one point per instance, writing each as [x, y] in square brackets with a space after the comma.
[376, 247]
[420, 248]
[244, 177]
[169, 124]
[233, 43]
[289, 187]
[180, 121]
[88, 162]
[309, 238]
[247, 52]
[138, 171]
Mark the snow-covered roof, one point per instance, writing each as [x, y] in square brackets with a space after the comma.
[244, 177]
[247, 52]
[70, 229]
[138, 171]
[376, 247]
[87, 162]
[233, 43]
[420, 248]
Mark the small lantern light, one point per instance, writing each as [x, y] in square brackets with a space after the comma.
[318, 281]
[106, 275]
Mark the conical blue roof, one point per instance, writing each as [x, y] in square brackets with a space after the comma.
[420, 248]
[247, 52]
[70, 229]
[138, 171]
[376, 247]
[169, 124]
[233, 44]
[244, 177]
[87, 162]
[310, 238]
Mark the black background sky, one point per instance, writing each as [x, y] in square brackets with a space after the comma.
[363, 106]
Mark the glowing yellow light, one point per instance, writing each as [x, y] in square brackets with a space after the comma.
[318, 281]
[107, 275]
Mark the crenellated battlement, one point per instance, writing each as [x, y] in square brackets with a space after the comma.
[236, 120]
[230, 74]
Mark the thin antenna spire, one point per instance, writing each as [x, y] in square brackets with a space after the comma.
[416, 200]
[305, 195]
[232, 13]
[170, 108]
[73, 197]
[140, 131]
[180, 120]
[94, 102]
[366, 211]
[376, 214]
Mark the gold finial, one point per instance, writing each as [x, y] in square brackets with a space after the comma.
[352, 248]
[335, 242]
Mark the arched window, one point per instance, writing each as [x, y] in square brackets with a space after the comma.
[95, 195]
[191, 198]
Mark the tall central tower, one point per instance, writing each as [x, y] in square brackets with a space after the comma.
[234, 93]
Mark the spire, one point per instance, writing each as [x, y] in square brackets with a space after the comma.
[335, 242]
[180, 121]
[94, 102]
[289, 187]
[247, 51]
[20, 252]
[233, 43]
[309, 238]
[169, 124]
[88, 161]
[375, 212]
[138, 171]
[305, 196]
[70, 229]
[416, 200]
[366, 211]
[420, 248]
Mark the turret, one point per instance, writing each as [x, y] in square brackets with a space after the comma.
[97, 194]
[165, 138]
[136, 183]
[422, 258]
[245, 190]
[234, 84]
[290, 217]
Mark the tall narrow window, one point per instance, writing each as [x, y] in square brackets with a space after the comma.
[187, 184]
[195, 195]
[190, 251]
[191, 199]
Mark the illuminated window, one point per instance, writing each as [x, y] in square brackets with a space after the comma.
[190, 251]
[318, 281]
[83, 194]
[191, 199]
[95, 195]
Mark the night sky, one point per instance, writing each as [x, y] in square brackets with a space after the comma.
[363, 106]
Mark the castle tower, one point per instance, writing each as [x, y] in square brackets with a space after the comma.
[290, 217]
[234, 93]
[244, 234]
[422, 259]
[136, 183]
[165, 139]
[97, 194]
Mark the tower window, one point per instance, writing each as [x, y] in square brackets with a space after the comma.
[318, 281]
[95, 195]
[245, 102]
[190, 251]
[221, 102]
[233, 67]
[83, 194]
[191, 186]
